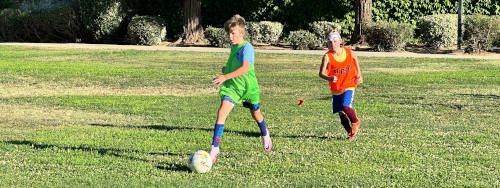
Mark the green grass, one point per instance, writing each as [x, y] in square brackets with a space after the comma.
[103, 118]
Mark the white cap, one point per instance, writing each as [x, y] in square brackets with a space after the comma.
[333, 36]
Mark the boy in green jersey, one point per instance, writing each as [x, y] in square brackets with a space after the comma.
[239, 84]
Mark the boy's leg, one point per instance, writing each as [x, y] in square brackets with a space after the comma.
[224, 109]
[344, 120]
[337, 103]
[356, 123]
[347, 105]
[261, 122]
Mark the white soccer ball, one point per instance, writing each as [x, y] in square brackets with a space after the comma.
[200, 162]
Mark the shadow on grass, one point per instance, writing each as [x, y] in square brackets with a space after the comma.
[174, 167]
[244, 133]
[480, 96]
[121, 153]
[316, 137]
[170, 128]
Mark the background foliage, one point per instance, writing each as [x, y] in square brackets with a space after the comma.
[146, 30]
[438, 31]
[293, 14]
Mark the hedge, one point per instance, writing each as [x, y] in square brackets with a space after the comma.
[146, 30]
[264, 31]
[388, 36]
[59, 24]
[217, 37]
[302, 39]
[101, 18]
[480, 32]
[322, 28]
[438, 31]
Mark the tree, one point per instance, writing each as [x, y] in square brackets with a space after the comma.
[363, 16]
[460, 11]
[193, 30]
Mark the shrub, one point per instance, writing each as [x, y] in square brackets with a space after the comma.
[270, 31]
[40, 5]
[146, 30]
[253, 31]
[10, 24]
[101, 18]
[388, 36]
[217, 37]
[497, 40]
[59, 24]
[322, 28]
[302, 39]
[5, 4]
[264, 31]
[479, 32]
[438, 31]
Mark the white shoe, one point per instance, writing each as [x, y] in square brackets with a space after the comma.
[267, 142]
[214, 152]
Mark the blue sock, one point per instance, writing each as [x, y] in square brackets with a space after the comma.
[262, 126]
[218, 129]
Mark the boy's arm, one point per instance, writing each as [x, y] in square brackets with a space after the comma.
[322, 71]
[219, 79]
[359, 78]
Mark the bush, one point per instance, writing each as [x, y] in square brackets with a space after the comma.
[388, 36]
[217, 37]
[322, 28]
[497, 40]
[59, 24]
[10, 24]
[5, 4]
[264, 31]
[101, 18]
[41, 5]
[146, 30]
[479, 32]
[302, 39]
[438, 31]
[253, 31]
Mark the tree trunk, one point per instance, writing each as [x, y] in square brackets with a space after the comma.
[363, 16]
[193, 31]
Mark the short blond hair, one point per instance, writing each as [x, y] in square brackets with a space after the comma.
[235, 21]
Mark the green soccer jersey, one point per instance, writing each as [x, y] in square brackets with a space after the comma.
[245, 87]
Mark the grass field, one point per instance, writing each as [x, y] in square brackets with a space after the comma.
[101, 118]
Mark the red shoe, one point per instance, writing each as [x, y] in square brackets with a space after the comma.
[354, 130]
[351, 136]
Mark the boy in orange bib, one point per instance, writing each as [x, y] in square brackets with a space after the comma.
[340, 67]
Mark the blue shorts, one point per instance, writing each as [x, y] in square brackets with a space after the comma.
[253, 107]
[345, 99]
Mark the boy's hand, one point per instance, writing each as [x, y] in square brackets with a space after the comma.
[219, 79]
[332, 78]
[359, 79]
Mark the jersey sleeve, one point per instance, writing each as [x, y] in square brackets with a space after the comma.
[248, 54]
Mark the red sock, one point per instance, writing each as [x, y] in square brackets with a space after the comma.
[351, 114]
[344, 120]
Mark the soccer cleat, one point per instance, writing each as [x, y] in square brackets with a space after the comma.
[214, 152]
[355, 128]
[351, 136]
[267, 142]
